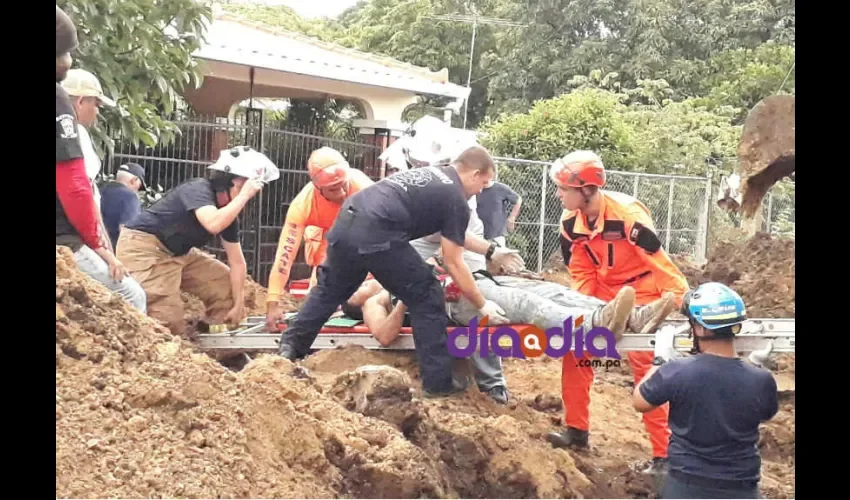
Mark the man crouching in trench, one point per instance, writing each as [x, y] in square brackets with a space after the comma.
[161, 246]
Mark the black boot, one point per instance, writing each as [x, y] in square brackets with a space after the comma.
[288, 352]
[569, 438]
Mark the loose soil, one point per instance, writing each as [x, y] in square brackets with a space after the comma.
[142, 413]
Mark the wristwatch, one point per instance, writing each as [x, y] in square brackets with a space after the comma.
[490, 250]
[658, 361]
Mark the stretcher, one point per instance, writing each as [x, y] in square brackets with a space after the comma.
[252, 335]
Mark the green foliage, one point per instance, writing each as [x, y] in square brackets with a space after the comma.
[281, 16]
[585, 119]
[140, 50]
[636, 129]
[742, 77]
[728, 53]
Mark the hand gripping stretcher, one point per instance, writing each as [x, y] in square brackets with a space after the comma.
[252, 335]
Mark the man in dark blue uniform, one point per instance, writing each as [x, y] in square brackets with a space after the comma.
[372, 234]
[717, 401]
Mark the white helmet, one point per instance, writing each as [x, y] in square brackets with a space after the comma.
[429, 139]
[244, 161]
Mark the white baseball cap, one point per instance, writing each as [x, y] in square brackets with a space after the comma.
[81, 83]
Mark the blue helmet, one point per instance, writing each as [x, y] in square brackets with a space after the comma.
[714, 306]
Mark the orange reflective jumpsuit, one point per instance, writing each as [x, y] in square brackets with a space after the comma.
[621, 249]
[311, 209]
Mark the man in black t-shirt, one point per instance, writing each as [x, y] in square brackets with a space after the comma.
[372, 234]
[161, 245]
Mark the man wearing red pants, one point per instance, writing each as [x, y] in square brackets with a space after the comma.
[608, 241]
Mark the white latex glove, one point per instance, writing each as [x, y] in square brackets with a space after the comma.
[664, 347]
[761, 356]
[510, 260]
[495, 314]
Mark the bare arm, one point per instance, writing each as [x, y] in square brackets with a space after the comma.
[384, 326]
[238, 273]
[459, 271]
[215, 220]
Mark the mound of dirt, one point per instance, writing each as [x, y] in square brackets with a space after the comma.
[142, 413]
[761, 269]
[194, 310]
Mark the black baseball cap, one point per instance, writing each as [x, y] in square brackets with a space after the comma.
[135, 169]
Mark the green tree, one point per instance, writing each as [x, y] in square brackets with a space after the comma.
[283, 17]
[742, 77]
[141, 50]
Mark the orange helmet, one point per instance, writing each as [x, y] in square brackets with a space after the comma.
[327, 167]
[578, 169]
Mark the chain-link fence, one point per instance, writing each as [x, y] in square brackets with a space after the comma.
[679, 206]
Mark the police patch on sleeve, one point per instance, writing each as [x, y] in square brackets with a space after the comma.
[66, 127]
[645, 238]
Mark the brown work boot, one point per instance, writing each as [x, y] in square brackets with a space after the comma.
[615, 314]
[569, 438]
[648, 318]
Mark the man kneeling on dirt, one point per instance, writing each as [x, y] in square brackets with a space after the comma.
[717, 401]
[161, 246]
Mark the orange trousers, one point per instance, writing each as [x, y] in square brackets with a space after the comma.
[576, 380]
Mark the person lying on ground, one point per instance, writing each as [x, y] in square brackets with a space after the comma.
[310, 215]
[77, 217]
[717, 401]
[525, 301]
[162, 245]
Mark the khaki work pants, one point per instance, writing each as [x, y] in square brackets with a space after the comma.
[163, 276]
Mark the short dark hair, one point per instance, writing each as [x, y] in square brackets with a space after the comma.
[352, 311]
[475, 158]
[221, 181]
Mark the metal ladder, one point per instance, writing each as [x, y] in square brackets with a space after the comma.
[252, 336]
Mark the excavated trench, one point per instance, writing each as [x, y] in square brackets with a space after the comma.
[141, 413]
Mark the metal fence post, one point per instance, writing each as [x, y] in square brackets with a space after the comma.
[258, 241]
[670, 214]
[702, 242]
[542, 221]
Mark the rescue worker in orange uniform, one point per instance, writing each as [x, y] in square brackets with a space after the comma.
[608, 241]
[316, 206]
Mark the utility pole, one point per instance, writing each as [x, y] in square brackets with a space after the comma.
[475, 19]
